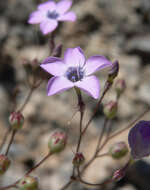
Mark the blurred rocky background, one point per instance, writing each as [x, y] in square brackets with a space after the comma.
[117, 29]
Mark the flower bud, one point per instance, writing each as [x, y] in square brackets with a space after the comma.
[4, 164]
[120, 86]
[78, 159]
[113, 72]
[118, 150]
[139, 139]
[119, 174]
[57, 141]
[28, 183]
[110, 109]
[16, 120]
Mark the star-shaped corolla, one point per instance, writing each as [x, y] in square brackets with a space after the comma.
[74, 71]
[139, 139]
[48, 15]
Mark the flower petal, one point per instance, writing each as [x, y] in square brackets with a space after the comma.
[70, 16]
[96, 63]
[63, 6]
[54, 66]
[49, 5]
[90, 85]
[139, 139]
[36, 17]
[58, 84]
[48, 26]
[74, 57]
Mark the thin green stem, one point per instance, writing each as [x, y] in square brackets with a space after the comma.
[126, 128]
[10, 142]
[96, 109]
[97, 147]
[80, 135]
[38, 164]
[27, 173]
[66, 185]
[5, 137]
[95, 184]
[101, 135]
[81, 109]
[102, 155]
[26, 100]
[79, 178]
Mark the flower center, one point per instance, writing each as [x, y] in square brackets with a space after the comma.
[52, 14]
[75, 74]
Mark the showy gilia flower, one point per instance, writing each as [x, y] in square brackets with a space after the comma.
[139, 140]
[74, 71]
[49, 13]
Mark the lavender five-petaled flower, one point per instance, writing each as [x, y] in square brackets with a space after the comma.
[49, 13]
[139, 140]
[74, 71]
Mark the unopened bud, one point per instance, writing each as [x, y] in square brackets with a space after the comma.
[118, 150]
[16, 120]
[28, 183]
[110, 109]
[113, 72]
[78, 159]
[120, 86]
[57, 141]
[4, 164]
[119, 174]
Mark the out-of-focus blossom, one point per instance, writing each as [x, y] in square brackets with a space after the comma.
[139, 139]
[49, 13]
[74, 71]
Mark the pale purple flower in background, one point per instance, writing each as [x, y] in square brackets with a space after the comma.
[48, 15]
[74, 71]
[139, 139]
